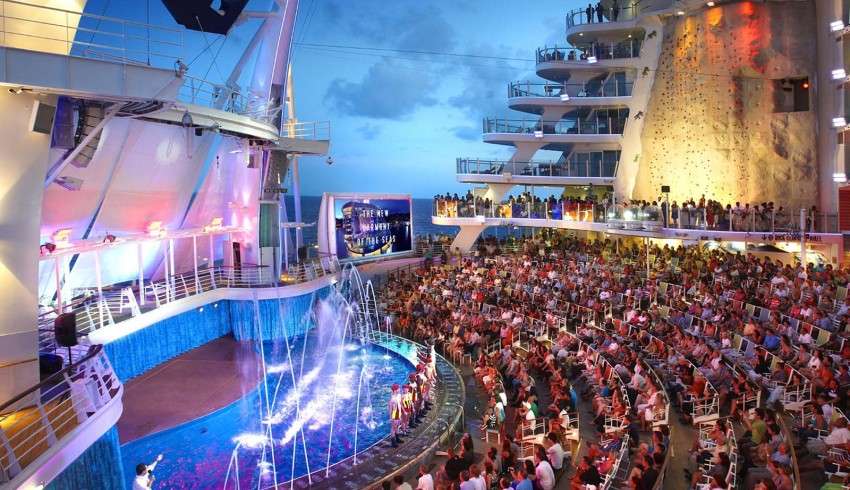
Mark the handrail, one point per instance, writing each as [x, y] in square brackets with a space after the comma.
[607, 88]
[569, 168]
[51, 380]
[62, 31]
[52, 409]
[601, 121]
[581, 16]
[590, 52]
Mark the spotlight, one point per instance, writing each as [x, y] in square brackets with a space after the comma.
[839, 122]
[16, 91]
[565, 97]
[47, 248]
[836, 25]
[839, 177]
[680, 13]
[839, 73]
[591, 59]
[710, 4]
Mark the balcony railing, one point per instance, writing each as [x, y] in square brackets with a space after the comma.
[116, 303]
[54, 30]
[587, 168]
[40, 417]
[777, 225]
[610, 14]
[596, 51]
[590, 125]
[610, 88]
[308, 130]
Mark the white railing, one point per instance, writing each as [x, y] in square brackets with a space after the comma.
[95, 311]
[39, 418]
[307, 130]
[54, 30]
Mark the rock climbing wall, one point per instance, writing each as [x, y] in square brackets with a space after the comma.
[710, 124]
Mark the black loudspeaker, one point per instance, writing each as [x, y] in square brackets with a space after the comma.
[205, 15]
[41, 120]
[665, 188]
[65, 329]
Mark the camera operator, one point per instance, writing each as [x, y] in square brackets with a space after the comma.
[144, 475]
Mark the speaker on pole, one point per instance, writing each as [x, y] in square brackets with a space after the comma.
[65, 332]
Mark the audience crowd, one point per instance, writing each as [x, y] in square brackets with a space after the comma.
[690, 214]
[571, 341]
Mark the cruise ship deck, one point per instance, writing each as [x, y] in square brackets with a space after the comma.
[641, 281]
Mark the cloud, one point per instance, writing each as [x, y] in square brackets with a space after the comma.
[392, 88]
[468, 133]
[369, 131]
[484, 92]
[389, 90]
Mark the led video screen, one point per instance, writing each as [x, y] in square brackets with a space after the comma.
[366, 227]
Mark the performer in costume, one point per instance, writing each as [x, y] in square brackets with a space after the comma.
[406, 409]
[395, 410]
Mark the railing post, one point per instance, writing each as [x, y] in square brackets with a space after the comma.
[730, 219]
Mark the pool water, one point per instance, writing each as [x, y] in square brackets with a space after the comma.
[197, 454]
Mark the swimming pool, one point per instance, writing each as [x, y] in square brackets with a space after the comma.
[197, 454]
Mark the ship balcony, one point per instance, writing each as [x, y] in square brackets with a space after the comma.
[534, 97]
[597, 168]
[598, 57]
[603, 126]
[603, 21]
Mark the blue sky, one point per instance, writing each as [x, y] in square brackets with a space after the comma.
[400, 120]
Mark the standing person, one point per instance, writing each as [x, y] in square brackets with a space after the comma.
[674, 214]
[615, 11]
[406, 410]
[545, 476]
[144, 475]
[395, 410]
[599, 12]
[426, 481]
[589, 12]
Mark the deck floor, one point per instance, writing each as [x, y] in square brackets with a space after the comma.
[187, 387]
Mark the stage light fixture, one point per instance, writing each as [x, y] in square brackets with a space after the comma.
[839, 74]
[109, 238]
[62, 237]
[155, 229]
[710, 4]
[839, 177]
[680, 13]
[839, 122]
[47, 248]
[836, 25]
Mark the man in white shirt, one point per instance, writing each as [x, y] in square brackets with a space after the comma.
[144, 475]
[426, 481]
[555, 452]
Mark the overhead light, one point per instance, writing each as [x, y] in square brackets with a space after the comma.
[591, 59]
[109, 238]
[538, 134]
[155, 229]
[16, 91]
[565, 97]
[710, 4]
[836, 25]
[680, 13]
[62, 237]
[839, 177]
[839, 122]
[580, 34]
[839, 73]
[215, 224]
